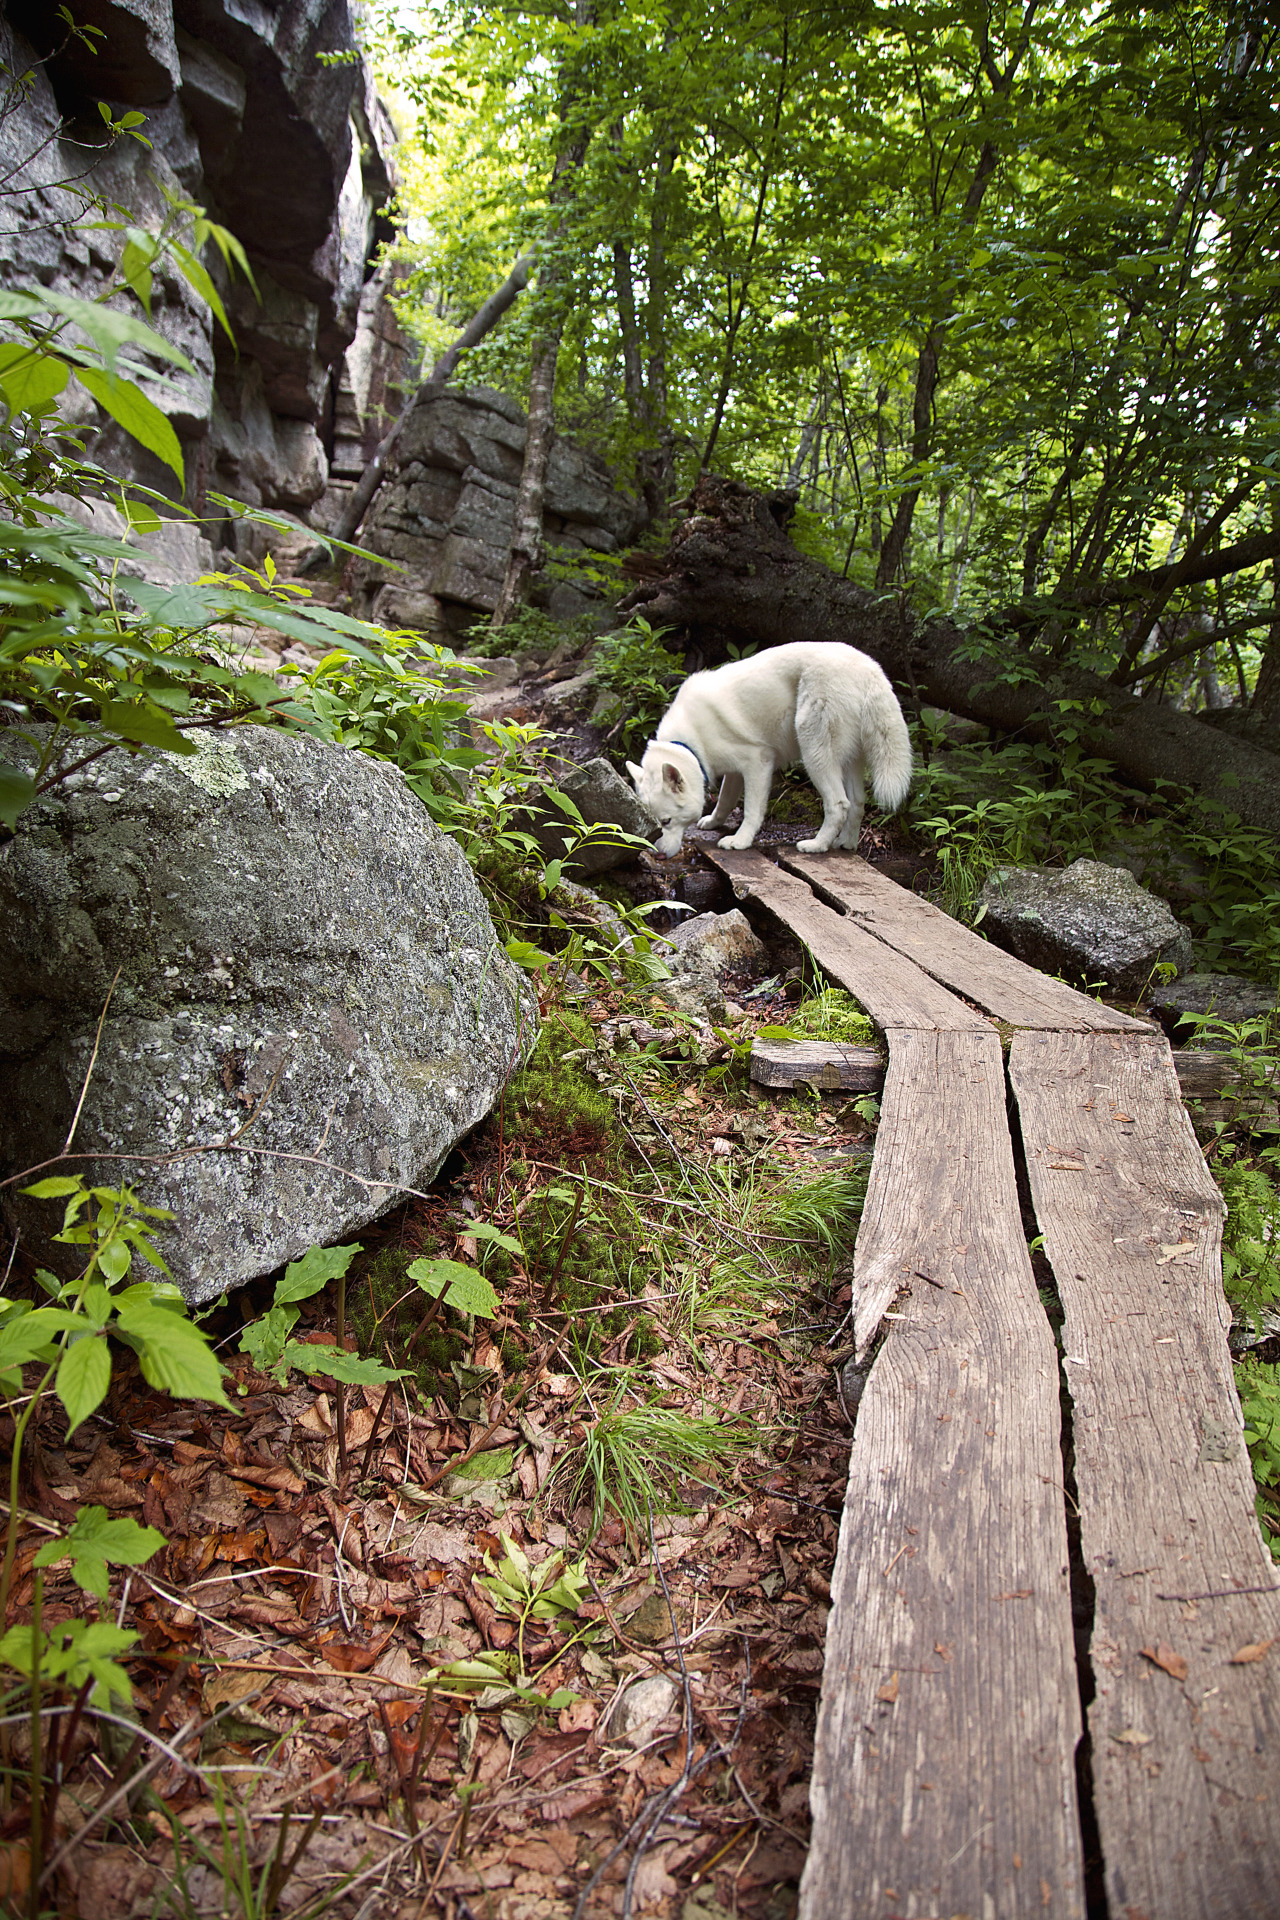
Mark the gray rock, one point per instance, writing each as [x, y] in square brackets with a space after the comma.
[246, 116]
[304, 958]
[585, 910]
[703, 950]
[403, 608]
[1090, 922]
[641, 1707]
[1224, 995]
[716, 944]
[603, 798]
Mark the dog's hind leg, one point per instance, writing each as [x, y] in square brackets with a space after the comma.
[822, 764]
[730, 797]
[856, 796]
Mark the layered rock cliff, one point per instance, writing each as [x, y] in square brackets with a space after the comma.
[261, 112]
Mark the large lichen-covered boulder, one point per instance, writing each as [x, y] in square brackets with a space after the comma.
[1089, 922]
[311, 1005]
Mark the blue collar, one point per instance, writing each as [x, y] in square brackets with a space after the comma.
[706, 777]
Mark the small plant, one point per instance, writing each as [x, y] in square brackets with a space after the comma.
[631, 1461]
[1259, 1388]
[67, 1344]
[268, 1341]
[551, 1592]
[634, 664]
[831, 1014]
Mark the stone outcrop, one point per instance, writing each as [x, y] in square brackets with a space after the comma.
[446, 513]
[1090, 923]
[247, 118]
[307, 974]
[604, 799]
[1225, 996]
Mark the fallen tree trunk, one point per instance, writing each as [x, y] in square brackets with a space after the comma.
[731, 573]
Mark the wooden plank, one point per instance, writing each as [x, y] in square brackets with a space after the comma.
[1186, 1759]
[827, 1064]
[894, 992]
[954, 954]
[944, 1777]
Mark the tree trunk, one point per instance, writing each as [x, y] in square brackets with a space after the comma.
[475, 330]
[525, 556]
[732, 573]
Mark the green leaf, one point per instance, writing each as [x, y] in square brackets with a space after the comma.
[95, 1542]
[108, 329]
[485, 1230]
[56, 1187]
[174, 1354]
[71, 1653]
[17, 791]
[316, 1268]
[135, 266]
[84, 1375]
[137, 720]
[115, 1260]
[264, 1340]
[138, 416]
[468, 1291]
[353, 1369]
[30, 377]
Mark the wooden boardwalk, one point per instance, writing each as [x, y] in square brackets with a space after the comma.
[945, 1777]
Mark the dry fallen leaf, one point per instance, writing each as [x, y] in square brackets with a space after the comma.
[1165, 1657]
[1256, 1650]
[1132, 1738]
[889, 1691]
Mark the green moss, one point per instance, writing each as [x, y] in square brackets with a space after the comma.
[384, 1307]
[832, 1015]
[551, 1106]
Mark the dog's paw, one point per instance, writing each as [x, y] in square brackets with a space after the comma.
[812, 846]
[737, 842]
[708, 820]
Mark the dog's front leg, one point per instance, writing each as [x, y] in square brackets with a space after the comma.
[757, 778]
[730, 797]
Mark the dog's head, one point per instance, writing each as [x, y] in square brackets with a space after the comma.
[670, 785]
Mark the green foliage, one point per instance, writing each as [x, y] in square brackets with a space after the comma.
[634, 664]
[1251, 1239]
[72, 1653]
[267, 1340]
[95, 1542]
[984, 807]
[830, 1014]
[70, 1337]
[1259, 1388]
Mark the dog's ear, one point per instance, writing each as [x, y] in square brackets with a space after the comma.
[672, 777]
[635, 771]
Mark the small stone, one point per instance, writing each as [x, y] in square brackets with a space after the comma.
[642, 1706]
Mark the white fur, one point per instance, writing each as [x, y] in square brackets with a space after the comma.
[818, 702]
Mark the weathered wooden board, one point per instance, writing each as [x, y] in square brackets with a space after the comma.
[952, 953]
[944, 1776]
[1185, 1734]
[894, 993]
[829, 1065]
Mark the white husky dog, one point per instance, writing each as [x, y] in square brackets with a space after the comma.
[816, 701]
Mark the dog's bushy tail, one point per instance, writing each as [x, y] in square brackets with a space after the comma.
[887, 747]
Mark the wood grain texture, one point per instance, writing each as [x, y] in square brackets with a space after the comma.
[1186, 1762]
[829, 1065]
[944, 1779]
[894, 993]
[954, 954]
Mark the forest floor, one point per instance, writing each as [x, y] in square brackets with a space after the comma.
[318, 1649]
